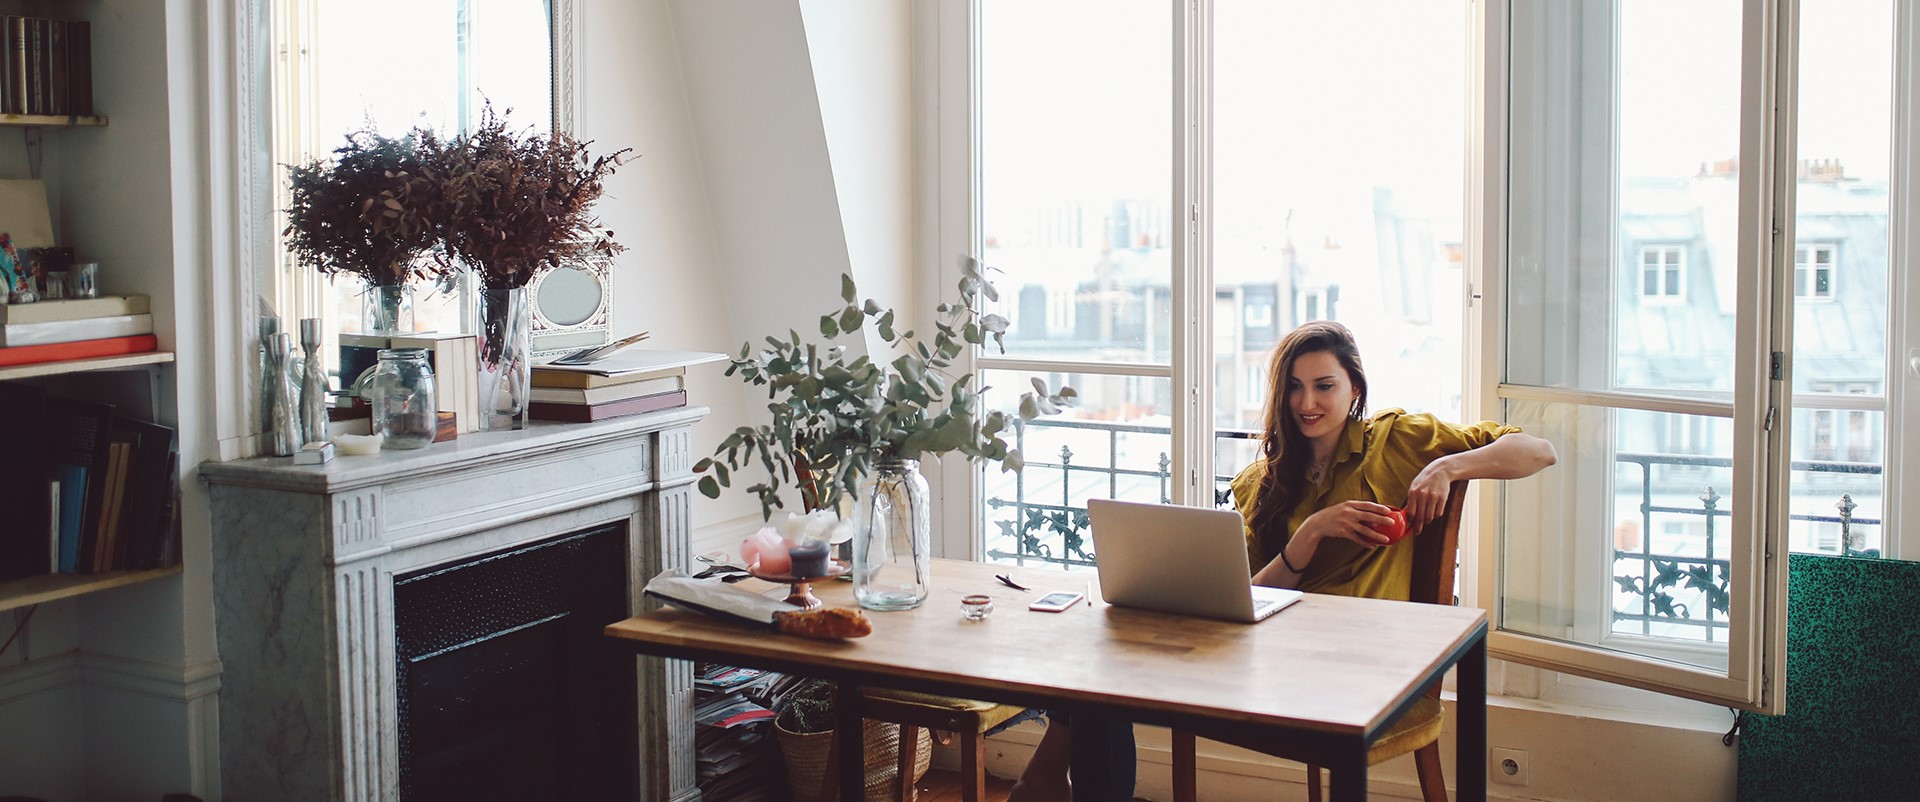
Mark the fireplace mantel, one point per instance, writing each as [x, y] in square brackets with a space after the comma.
[304, 558]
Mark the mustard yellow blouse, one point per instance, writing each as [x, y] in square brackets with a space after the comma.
[1376, 462]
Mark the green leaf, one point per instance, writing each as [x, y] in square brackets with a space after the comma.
[871, 307]
[827, 327]
[850, 319]
[994, 323]
[703, 464]
[847, 291]
[709, 487]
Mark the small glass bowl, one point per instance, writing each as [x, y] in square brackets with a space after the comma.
[976, 606]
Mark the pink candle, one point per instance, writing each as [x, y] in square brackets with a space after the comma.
[774, 559]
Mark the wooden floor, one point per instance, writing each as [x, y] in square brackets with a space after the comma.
[944, 786]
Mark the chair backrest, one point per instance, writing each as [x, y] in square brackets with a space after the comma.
[1436, 549]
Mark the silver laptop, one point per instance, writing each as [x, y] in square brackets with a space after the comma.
[1187, 560]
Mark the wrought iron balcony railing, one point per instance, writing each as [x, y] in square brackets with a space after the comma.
[1039, 515]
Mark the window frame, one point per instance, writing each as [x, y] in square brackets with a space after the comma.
[954, 172]
[1766, 140]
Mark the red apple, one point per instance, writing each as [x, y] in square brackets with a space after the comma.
[1395, 530]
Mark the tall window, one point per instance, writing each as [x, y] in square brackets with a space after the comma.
[1310, 203]
[1616, 259]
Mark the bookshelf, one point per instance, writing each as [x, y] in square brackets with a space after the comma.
[50, 587]
[84, 365]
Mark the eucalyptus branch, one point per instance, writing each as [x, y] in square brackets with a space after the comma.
[833, 418]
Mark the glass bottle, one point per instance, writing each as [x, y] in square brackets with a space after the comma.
[403, 398]
[892, 537]
[283, 384]
[313, 384]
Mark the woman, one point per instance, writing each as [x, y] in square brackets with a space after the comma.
[1328, 475]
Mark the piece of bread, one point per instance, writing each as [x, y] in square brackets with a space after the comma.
[826, 622]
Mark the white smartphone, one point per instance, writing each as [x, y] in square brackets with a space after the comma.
[1056, 601]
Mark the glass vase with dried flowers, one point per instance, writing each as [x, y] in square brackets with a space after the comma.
[512, 205]
[366, 211]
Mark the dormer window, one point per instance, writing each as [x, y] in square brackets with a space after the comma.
[1663, 270]
[1813, 272]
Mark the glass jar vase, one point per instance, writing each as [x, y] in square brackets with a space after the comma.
[403, 398]
[892, 537]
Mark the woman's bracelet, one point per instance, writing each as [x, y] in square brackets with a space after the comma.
[1283, 561]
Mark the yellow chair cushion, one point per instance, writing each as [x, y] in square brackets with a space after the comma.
[1420, 726]
[990, 713]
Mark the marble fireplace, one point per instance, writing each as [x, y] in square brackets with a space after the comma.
[334, 585]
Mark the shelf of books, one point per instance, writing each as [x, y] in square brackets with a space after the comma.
[50, 587]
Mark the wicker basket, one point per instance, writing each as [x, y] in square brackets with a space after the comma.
[806, 755]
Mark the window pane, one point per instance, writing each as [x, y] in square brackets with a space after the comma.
[1634, 562]
[1326, 207]
[1075, 105]
[1835, 502]
[1602, 168]
[1115, 444]
[1840, 223]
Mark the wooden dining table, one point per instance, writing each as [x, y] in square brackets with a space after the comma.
[1322, 677]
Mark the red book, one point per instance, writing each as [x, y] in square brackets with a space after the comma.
[583, 413]
[82, 349]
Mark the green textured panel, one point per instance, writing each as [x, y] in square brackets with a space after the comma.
[1852, 726]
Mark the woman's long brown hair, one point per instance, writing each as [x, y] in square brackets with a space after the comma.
[1282, 445]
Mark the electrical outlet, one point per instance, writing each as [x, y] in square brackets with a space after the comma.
[1509, 766]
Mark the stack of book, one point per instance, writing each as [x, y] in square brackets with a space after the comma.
[455, 360]
[736, 757]
[85, 489]
[47, 66]
[630, 382]
[55, 331]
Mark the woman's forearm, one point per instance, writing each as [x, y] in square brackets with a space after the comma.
[1513, 456]
[1298, 551]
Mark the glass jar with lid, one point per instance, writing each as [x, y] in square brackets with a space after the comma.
[403, 398]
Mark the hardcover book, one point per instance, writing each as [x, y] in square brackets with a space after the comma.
[14, 335]
[74, 309]
[25, 478]
[569, 413]
[81, 349]
[80, 432]
[603, 394]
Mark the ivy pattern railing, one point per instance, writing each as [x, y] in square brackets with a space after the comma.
[1661, 592]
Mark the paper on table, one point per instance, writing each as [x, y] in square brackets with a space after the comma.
[633, 360]
[714, 598]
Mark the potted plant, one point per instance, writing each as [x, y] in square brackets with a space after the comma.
[804, 726]
[366, 211]
[509, 206]
[840, 424]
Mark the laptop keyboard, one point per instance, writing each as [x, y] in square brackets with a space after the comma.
[1262, 604]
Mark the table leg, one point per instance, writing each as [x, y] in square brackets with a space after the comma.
[849, 742]
[1350, 775]
[1470, 750]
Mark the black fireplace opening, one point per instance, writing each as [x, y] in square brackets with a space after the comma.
[507, 688]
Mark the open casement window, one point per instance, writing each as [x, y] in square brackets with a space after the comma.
[1636, 299]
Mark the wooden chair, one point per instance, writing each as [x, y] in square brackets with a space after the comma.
[1419, 730]
[967, 718]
